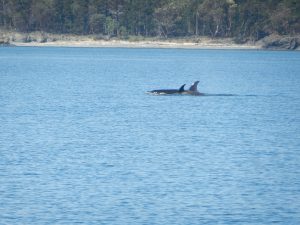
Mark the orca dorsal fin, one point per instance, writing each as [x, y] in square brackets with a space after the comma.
[194, 86]
[181, 89]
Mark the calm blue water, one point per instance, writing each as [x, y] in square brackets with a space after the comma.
[82, 143]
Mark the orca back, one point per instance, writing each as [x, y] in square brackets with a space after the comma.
[194, 86]
[181, 89]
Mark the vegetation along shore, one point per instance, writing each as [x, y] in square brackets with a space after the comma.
[270, 24]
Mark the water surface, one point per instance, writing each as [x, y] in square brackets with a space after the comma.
[82, 142]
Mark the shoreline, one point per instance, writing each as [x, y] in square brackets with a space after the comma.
[137, 44]
[41, 39]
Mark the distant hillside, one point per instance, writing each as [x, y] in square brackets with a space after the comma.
[242, 19]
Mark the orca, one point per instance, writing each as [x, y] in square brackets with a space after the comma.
[168, 91]
[193, 89]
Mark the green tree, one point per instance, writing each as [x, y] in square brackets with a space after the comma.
[42, 14]
[243, 19]
[110, 26]
[96, 23]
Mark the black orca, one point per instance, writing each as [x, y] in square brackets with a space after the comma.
[168, 91]
[193, 89]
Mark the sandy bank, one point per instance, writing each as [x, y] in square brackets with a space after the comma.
[139, 44]
[40, 39]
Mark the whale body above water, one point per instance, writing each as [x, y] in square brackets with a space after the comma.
[193, 90]
[168, 91]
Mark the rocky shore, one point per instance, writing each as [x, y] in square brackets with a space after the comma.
[276, 42]
[272, 42]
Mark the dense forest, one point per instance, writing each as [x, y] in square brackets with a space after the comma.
[165, 18]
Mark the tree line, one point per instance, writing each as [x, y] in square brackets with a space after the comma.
[165, 18]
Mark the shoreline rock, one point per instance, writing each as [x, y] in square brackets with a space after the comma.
[276, 42]
[5, 43]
